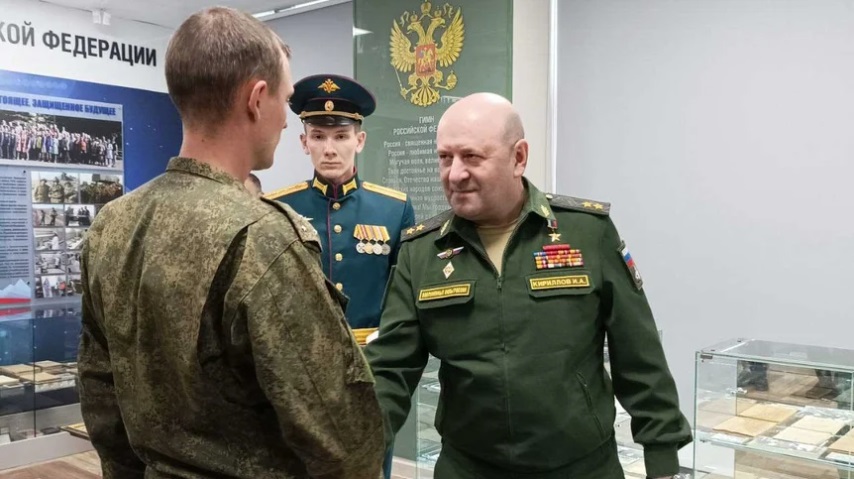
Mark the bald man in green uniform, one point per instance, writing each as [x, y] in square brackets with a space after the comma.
[515, 292]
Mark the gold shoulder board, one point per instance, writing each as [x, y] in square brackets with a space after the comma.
[398, 195]
[288, 190]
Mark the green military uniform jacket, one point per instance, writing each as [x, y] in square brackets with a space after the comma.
[212, 346]
[523, 383]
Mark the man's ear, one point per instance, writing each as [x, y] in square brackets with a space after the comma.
[303, 139]
[520, 157]
[258, 90]
[360, 137]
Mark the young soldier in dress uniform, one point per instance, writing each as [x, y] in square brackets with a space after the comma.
[515, 291]
[359, 223]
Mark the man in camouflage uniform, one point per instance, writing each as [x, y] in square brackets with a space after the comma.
[515, 291]
[219, 350]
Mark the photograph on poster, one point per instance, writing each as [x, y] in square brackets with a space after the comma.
[73, 259]
[99, 188]
[79, 215]
[54, 286]
[51, 263]
[49, 239]
[60, 140]
[75, 285]
[55, 187]
[48, 216]
[74, 238]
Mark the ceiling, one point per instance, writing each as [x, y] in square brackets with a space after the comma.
[170, 13]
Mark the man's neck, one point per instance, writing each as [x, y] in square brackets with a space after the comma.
[340, 181]
[512, 214]
[219, 151]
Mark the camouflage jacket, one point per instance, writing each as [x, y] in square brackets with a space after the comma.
[212, 346]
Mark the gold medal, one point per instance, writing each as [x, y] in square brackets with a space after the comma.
[378, 249]
[386, 249]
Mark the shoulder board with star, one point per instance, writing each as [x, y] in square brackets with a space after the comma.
[432, 224]
[398, 195]
[579, 204]
[288, 190]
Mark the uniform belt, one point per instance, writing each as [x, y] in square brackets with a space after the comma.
[362, 334]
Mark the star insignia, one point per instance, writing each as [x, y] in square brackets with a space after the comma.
[410, 231]
[598, 206]
[419, 227]
[555, 237]
[587, 204]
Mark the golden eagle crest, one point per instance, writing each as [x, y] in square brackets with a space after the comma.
[426, 79]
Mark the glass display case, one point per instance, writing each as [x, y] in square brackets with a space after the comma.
[773, 411]
[428, 441]
[38, 372]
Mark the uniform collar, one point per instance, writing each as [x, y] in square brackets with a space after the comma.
[198, 168]
[537, 203]
[331, 190]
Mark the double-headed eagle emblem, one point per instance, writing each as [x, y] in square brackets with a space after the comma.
[426, 78]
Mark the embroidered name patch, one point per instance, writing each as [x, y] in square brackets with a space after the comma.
[445, 292]
[560, 282]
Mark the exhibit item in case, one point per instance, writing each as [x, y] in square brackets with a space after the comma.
[38, 373]
[766, 409]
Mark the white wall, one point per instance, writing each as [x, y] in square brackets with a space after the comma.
[530, 82]
[41, 60]
[722, 132]
[322, 42]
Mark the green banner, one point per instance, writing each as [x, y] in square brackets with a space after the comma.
[417, 58]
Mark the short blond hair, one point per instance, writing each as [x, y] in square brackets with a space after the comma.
[212, 54]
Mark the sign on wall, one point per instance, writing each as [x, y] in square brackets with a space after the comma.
[418, 58]
[67, 148]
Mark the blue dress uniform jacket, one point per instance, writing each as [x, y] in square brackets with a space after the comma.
[359, 224]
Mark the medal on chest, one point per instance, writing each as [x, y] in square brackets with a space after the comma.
[557, 255]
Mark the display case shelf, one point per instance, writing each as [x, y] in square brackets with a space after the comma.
[767, 409]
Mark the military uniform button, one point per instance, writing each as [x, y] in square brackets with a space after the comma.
[549, 196]
[339, 286]
[339, 257]
[336, 206]
[337, 228]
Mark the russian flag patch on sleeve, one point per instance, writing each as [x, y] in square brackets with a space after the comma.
[630, 264]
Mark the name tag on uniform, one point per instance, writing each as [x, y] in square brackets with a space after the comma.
[560, 282]
[556, 284]
[460, 290]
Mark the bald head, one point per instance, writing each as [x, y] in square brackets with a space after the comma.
[482, 159]
[488, 109]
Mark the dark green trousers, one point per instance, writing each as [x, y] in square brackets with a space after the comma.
[599, 464]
